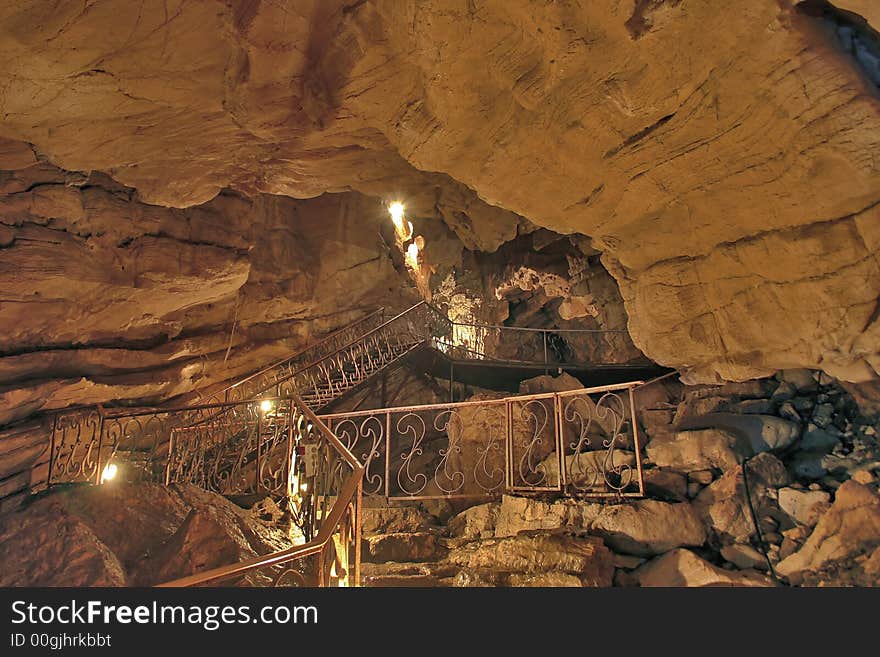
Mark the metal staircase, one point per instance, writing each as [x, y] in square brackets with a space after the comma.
[263, 436]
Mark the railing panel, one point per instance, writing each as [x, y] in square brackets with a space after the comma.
[514, 344]
[533, 445]
[264, 380]
[428, 452]
[601, 451]
[75, 447]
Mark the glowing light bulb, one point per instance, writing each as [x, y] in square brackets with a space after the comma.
[402, 227]
[266, 405]
[412, 252]
[396, 210]
[304, 487]
[109, 472]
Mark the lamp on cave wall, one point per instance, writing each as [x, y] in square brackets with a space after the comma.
[402, 228]
[412, 252]
[109, 472]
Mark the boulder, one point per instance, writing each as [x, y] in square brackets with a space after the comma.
[587, 470]
[201, 543]
[802, 379]
[684, 568]
[544, 580]
[756, 433]
[723, 504]
[649, 527]
[754, 407]
[546, 383]
[686, 451]
[850, 527]
[805, 507]
[808, 465]
[392, 520]
[863, 477]
[818, 440]
[703, 477]
[51, 548]
[403, 547]
[129, 534]
[743, 556]
[475, 522]
[665, 484]
[517, 514]
[587, 558]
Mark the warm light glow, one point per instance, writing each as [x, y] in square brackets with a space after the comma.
[412, 255]
[402, 227]
[396, 210]
[266, 405]
[304, 487]
[109, 472]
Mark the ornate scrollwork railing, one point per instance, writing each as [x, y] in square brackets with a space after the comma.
[262, 381]
[583, 442]
[330, 478]
[231, 448]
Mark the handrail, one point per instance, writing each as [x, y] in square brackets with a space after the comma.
[312, 345]
[357, 340]
[534, 330]
[485, 402]
[315, 546]
[329, 524]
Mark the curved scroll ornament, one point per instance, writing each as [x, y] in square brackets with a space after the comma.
[489, 480]
[611, 407]
[453, 479]
[414, 426]
[289, 577]
[373, 429]
[581, 476]
[531, 472]
[273, 470]
[76, 438]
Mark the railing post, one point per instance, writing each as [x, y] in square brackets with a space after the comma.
[546, 362]
[357, 533]
[636, 446]
[288, 461]
[508, 446]
[451, 379]
[257, 477]
[560, 442]
[387, 454]
[100, 443]
[52, 449]
[171, 442]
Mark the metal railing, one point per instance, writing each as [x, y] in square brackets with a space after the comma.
[582, 442]
[263, 437]
[85, 438]
[239, 448]
[261, 381]
[331, 554]
[514, 344]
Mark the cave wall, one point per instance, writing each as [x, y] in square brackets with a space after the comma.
[106, 298]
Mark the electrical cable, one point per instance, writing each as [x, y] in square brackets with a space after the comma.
[761, 544]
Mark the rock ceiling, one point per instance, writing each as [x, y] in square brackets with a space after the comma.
[722, 156]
